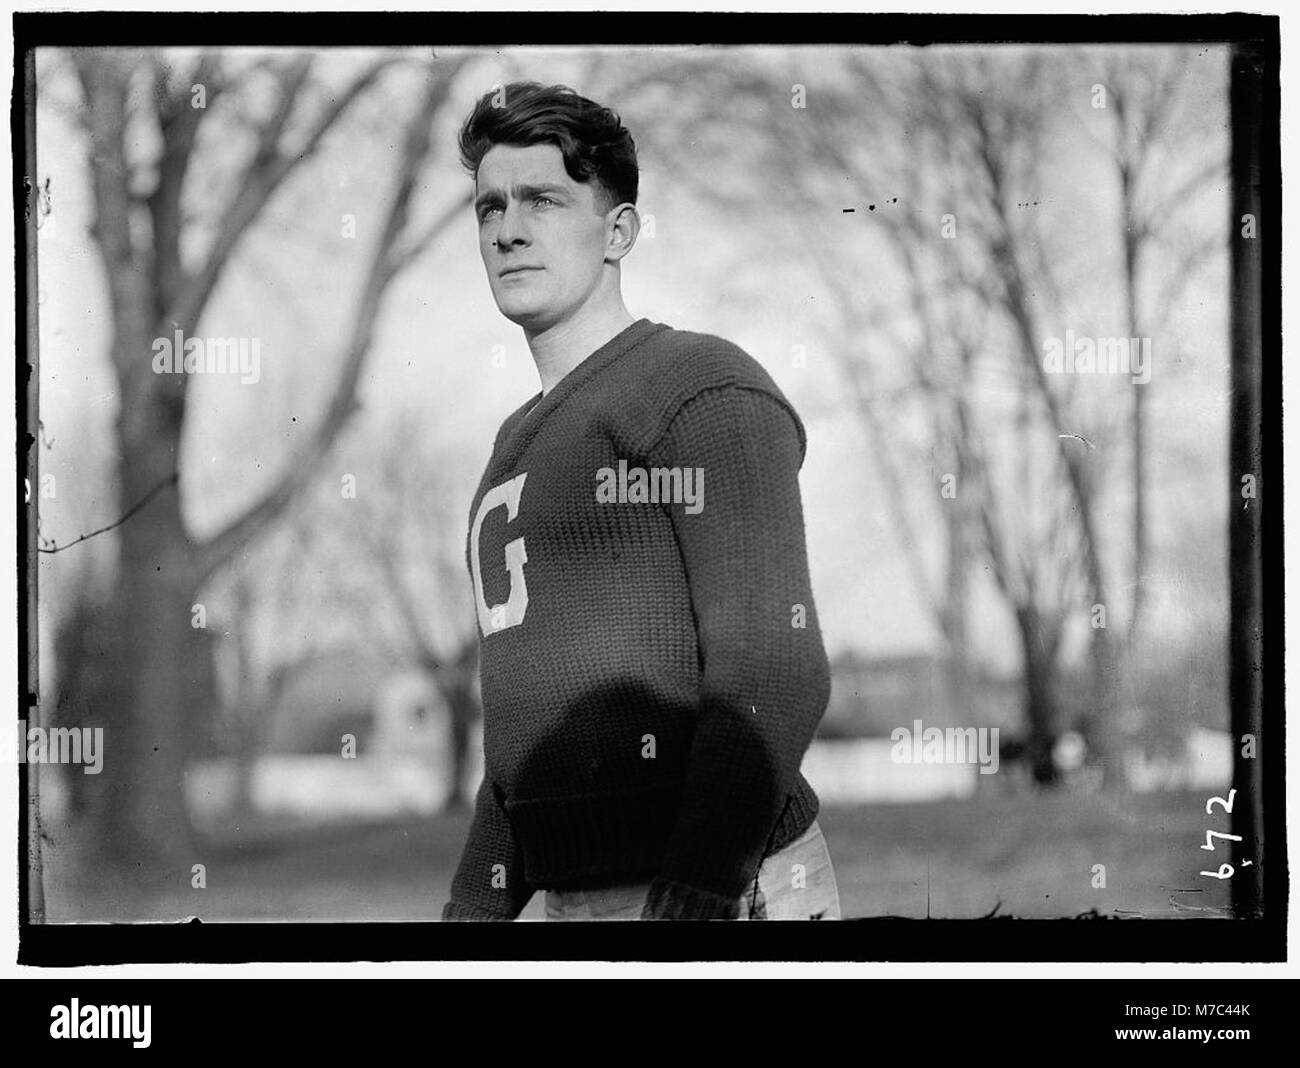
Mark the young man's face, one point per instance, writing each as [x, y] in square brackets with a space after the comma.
[542, 235]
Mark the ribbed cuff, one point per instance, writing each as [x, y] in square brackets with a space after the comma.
[800, 811]
[577, 840]
[458, 912]
[668, 900]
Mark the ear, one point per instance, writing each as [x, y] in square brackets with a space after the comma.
[622, 225]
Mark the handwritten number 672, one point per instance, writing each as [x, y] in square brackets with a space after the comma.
[1225, 871]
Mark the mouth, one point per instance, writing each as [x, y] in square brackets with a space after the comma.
[507, 271]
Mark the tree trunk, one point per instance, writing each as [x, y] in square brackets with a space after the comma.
[1040, 703]
[456, 684]
[148, 738]
[160, 672]
[959, 524]
[1130, 241]
[462, 718]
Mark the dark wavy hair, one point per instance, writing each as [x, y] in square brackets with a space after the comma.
[592, 139]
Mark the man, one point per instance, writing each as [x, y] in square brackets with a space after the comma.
[651, 663]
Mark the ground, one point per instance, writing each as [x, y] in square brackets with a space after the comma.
[1030, 855]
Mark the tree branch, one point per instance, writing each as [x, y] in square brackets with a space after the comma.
[265, 174]
[178, 124]
[213, 553]
[170, 481]
[105, 79]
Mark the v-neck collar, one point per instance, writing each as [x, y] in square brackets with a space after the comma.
[529, 416]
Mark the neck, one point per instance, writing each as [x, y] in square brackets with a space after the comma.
[560, 348]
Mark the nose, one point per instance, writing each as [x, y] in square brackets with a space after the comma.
[512, 231]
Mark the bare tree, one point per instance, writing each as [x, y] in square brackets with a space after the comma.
[403, 546]
[944, 142]
[1146, 102]
[160, 684]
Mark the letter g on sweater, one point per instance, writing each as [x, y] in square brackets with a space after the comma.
[492, 618]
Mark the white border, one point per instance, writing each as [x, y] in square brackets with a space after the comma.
[557, 969]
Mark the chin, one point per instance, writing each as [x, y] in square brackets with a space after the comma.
[528, 315]
[528, 318]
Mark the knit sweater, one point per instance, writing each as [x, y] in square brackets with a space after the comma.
[651, 662]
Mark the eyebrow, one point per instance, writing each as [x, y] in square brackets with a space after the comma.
[522, 192]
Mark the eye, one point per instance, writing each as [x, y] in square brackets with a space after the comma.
[486, 211]
[542, 199]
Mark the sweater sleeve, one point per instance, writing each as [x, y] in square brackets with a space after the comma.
[489, 882]
[765, 678]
